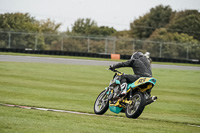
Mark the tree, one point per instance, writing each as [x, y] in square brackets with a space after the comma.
[122, 34]
[23, 30]
[187, 21]
[90, 27]
[102, 31]
[18, 21]
[174, 44]
[157, 17]
[83, 26]
[50, 28]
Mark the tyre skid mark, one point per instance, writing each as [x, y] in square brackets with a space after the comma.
[53, 110]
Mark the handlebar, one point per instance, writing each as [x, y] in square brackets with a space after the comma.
[114, 70]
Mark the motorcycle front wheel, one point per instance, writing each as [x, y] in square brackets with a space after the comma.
[135, 109]
[101, 104]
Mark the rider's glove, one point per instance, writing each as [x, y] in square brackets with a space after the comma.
[111, 67]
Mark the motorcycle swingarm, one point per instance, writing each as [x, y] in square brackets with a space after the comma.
[121, 101]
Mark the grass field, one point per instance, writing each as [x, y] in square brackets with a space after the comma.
[33, 121]
[75, 88]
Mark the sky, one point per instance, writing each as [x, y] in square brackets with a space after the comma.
[113, 13]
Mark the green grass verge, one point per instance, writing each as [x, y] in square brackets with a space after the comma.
[74, 87]
[15, 120]
[92, 58]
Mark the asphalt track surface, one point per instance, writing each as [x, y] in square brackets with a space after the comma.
[11, 58]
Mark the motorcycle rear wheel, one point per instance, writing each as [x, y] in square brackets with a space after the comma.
[101, 104]
[135, 109]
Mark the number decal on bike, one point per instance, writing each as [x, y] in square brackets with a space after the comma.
[141, 80]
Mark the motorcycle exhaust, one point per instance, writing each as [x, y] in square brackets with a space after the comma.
[154, 98]
[151, 100]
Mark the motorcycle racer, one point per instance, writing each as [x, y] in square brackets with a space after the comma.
[141, 65]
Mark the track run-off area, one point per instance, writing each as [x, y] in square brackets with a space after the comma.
[74, 112]
[12, 58]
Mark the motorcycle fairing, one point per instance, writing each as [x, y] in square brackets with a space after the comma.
[117, 82]
[115, 109]
[143, 80]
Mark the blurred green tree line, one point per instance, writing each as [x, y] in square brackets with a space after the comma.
[170, 33]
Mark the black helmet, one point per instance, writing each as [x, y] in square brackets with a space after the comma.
[137, 55]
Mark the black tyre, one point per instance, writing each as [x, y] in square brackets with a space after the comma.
[135, 109]
[101, 104]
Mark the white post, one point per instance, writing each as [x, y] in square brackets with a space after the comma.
[187, 53]
[9, 39]
[88, 41]
[36, 41]
[160, 50]
[106, 45]
[114, 43]
[61, 43]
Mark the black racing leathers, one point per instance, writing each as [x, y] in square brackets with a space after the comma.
[141, 68]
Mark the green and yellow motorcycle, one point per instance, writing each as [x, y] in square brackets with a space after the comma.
[133, 103]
